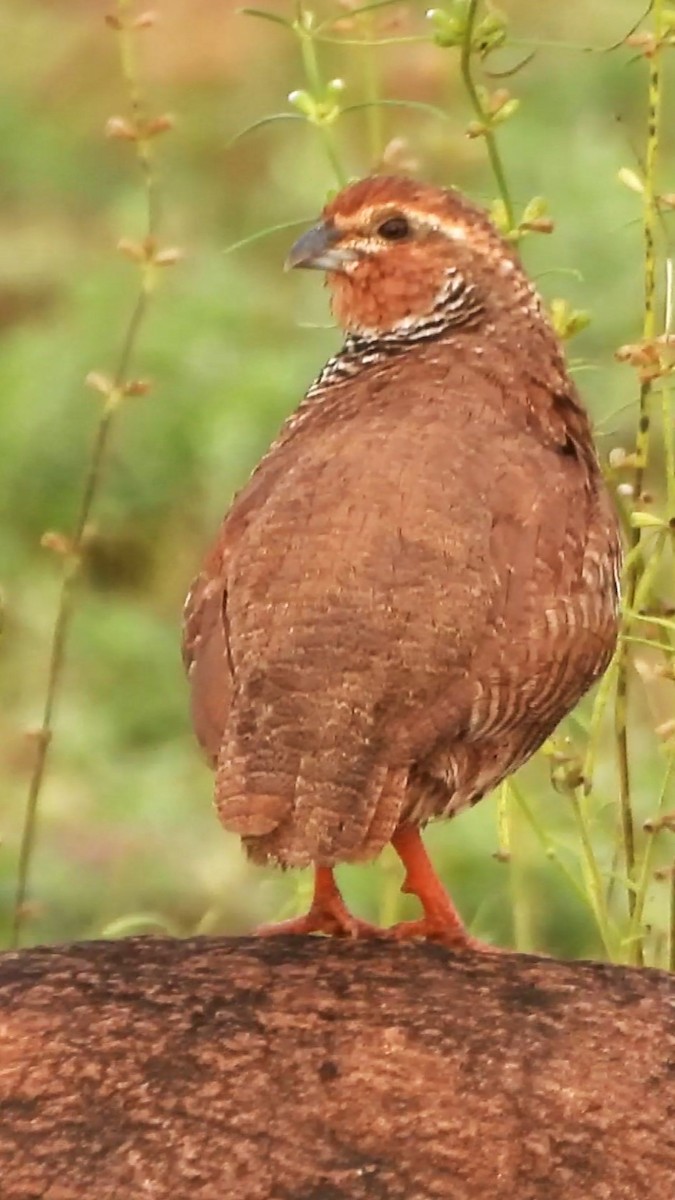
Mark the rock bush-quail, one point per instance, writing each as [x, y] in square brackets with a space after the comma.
[420, 578]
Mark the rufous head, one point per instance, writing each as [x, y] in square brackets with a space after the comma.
[402, 256]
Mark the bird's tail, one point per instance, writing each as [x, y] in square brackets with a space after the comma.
[306, 786]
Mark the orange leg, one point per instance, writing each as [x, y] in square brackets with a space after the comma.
[328, 914]
[441, 921]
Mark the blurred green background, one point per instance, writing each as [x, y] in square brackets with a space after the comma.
[127, 839]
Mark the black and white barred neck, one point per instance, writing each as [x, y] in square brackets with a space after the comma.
[458, 306]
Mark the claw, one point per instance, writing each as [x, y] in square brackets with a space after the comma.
[328, 914]
[452, 937]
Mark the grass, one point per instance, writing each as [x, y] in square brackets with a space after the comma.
[126, 838]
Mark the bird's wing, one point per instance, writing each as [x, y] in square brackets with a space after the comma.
[206, 659]
[205, 643]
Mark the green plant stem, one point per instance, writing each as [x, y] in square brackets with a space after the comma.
[310, 61]
[523, 939]
[636, 563]
[466, 67]
[668, 418]
[595, 725]
[73, 558]
[333, 156]
[594, 884]
[372, 95]
[144, 150]
[671, 940]
[641, 599]
[669, 449]
[646, 866]
[642, 578]
[547, 844]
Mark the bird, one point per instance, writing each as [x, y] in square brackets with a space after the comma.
[420, 578]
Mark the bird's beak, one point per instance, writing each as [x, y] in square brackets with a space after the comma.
[318, 249]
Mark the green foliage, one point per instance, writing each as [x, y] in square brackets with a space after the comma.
[573, 857]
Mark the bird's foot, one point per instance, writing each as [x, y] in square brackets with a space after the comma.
[441, 921]
[453, 935]
[331, 923]
[328, 914]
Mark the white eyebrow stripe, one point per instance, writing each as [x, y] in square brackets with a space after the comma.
[452, 229]
[456, 232]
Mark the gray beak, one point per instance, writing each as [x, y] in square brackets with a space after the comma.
[317, 249]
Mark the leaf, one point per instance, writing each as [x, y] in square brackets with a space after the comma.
[136, 923]
[259, 124]
[263, 15]
[355, 12]
[646, 520]
[262, 233]
[416, 105]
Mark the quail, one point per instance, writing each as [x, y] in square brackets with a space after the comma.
[419, 579]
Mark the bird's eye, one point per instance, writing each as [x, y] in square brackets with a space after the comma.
[394, 228]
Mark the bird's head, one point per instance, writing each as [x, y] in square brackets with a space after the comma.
[406, 259]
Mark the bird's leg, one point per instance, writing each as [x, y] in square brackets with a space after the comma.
[441, 921]
[327, 914]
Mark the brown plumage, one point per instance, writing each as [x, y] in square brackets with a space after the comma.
[419, 579]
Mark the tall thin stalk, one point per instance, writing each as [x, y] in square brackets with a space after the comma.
[466, 67]
[321, 112]
[141, 131]
[671, 940]
[635, 563]
[375, 111]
